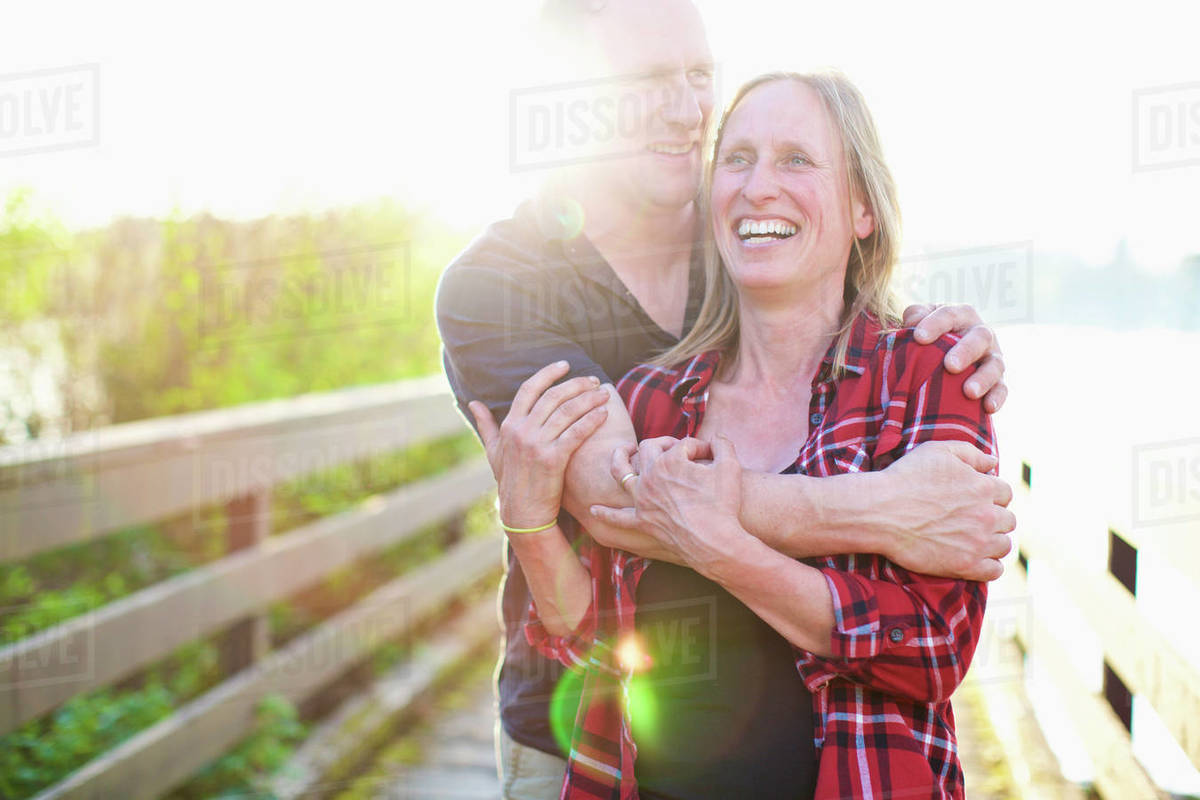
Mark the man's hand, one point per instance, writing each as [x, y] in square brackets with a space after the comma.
[945, 514]
[978, 346]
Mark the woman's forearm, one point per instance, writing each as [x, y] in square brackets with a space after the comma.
[560, 585]
[884, 633]
[791, 597]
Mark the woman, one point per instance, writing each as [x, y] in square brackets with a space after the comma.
[833, 675]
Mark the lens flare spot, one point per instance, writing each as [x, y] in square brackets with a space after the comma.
[564, 704]
[643, 710]
[570, 218]
[632, 656]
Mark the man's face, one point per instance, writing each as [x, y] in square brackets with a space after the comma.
[659, 71]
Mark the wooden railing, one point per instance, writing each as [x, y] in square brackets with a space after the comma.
[94, 484]
[1091, 545]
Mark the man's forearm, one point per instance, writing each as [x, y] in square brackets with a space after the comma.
[802, 516]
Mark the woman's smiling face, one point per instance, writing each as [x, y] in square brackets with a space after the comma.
[783, 214]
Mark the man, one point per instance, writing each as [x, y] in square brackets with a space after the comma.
[602, 270]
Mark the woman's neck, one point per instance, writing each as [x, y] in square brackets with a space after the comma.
[781, 344]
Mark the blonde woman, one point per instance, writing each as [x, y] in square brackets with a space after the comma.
[829, 677]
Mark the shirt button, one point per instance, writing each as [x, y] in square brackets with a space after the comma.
[896, 635]
[815, 419]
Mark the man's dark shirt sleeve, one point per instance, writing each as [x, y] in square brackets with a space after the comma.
[499, 327]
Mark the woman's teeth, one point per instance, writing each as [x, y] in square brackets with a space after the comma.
[751, 230]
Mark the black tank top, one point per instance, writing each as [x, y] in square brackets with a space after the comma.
[721, 712]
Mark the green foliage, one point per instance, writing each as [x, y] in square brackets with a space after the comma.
[344, 486]
[145, 318]
[53, 587]
[44, 751]
[221, 313]
[247, 768]
[36, 299]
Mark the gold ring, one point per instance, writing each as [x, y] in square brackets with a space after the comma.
[625, 478]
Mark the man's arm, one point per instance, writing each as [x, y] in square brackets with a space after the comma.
[978, 346]
[934, 511]
[944, 516]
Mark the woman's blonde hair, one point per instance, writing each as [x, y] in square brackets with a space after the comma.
[872, 259]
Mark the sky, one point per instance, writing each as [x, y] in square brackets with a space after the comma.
[1012, 123]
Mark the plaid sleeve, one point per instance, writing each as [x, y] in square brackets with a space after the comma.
[897, 631]
[908, 635]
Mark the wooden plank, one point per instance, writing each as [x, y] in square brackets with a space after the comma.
[1144, 659]
[55, 494]
[371, 715]
[166, 754]
[1155, 502]
[92, 651]
[1118, 775]
[135, 441]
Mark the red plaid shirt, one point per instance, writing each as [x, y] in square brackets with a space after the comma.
[902, 641]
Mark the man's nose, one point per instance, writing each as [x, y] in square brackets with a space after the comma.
[681, 106]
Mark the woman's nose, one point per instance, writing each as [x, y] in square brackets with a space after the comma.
[760, 186]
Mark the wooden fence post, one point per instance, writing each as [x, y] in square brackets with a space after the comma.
[454, 529]
[247, 641]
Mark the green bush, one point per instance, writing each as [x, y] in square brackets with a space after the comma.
[246, 768]
[136, 320]
[43, 751]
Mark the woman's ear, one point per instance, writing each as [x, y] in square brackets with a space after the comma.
[862, 217]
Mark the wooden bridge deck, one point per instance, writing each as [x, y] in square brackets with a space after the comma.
[459, 761]
[459, 757]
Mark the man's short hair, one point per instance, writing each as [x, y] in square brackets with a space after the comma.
[565, 16]
[566, 21]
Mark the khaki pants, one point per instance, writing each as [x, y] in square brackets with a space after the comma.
[527, 773]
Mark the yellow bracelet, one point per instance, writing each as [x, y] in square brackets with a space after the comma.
[538, 529]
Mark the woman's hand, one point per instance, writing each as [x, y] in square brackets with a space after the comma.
[529, 451]
[689, 507]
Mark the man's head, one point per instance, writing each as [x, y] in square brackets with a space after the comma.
[648, 76]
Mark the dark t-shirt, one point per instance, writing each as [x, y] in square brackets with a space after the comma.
[530, 291]
[726, 714]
